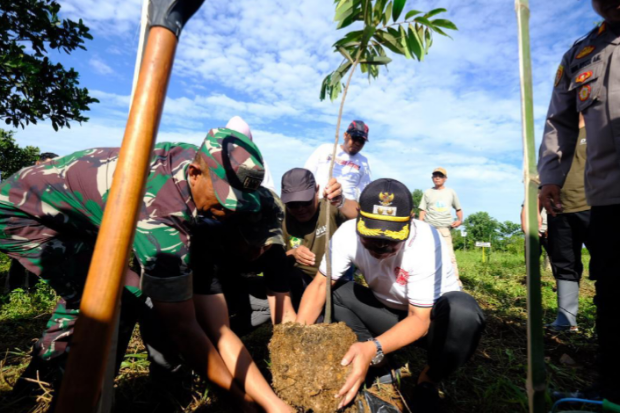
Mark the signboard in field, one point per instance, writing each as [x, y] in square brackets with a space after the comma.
[483, 244]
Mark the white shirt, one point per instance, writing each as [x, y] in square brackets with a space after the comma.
[352, 171]
[418, 274]
[268, 180]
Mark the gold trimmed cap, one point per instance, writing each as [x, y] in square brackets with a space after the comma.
[385, 211]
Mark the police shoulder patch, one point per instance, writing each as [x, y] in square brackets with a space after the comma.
[585, 52]
[558, 75]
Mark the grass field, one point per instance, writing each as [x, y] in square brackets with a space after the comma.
[492, 382]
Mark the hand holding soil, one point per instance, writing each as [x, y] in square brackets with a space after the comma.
[359, 357]
[304, 256]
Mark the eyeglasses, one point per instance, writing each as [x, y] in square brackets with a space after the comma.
[439, 176]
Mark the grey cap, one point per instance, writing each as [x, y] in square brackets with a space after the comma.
[298, 185]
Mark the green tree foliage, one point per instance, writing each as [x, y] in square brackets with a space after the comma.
[411, 37]
[417, 195]
[481, 226]
[33, 88]
[12, 157]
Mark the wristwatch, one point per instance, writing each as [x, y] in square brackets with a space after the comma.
[379, 356]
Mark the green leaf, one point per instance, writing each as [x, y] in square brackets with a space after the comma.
[376, 60]
[446, 24]
[351, 38]
[347, 22]
[399, 5]
[368, 32]
[403, 41]
[441, 32]
[424, 21]
[428, 40]
[388, 14]
[345, 53]
[344, 12]
[388, 40]
[414, 43]
[412, 13]
[434, 12]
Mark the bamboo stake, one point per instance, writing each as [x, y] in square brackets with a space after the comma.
[91, 341]
[328, 253]
[536, 382]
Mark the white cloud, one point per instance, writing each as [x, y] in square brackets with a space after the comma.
[100, 66]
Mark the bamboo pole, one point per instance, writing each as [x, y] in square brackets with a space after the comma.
[536, 382]
[91, 341]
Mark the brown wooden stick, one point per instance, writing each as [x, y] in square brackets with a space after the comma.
[93, 331]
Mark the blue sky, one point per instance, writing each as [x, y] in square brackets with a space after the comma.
[264, 60]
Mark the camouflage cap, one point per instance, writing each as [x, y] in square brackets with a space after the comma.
[236, 168]
[263, 228]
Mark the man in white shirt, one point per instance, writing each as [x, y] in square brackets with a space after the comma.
[351, 168]
[413, 295]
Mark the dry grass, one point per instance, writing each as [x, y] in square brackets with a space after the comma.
[492, 382]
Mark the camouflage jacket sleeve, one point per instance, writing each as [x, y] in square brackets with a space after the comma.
[561, 128]
[163, 252]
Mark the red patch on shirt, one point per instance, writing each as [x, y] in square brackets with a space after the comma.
[402, 276]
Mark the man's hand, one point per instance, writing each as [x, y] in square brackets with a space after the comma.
[304, 256]
[333, 192]
[456, 224]
[359, 355]
[549, 197]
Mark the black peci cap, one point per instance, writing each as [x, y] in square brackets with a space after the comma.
[298, 185]
[385, 210]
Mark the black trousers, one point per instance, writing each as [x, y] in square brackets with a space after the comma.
[605, 270]
[457, 323]
[567, 235]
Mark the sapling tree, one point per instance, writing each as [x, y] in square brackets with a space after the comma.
[381, 29]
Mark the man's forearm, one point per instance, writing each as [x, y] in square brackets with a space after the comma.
[212, 314]
[312, 301]
[405, 332]
[459, 215]
[422, 215]
[281, 307]
[349, 209]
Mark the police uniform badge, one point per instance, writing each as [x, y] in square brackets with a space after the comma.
[585, 52]
[583, 77]
[584, 92]
[558, 75]
[385, 200]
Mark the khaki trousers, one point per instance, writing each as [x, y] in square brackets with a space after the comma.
[447, 237]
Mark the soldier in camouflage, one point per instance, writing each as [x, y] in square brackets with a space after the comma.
[50, 216]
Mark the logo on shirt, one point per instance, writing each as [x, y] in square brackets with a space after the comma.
[295, 242]
[402, 276]
[440, 206]
[583, 141]
[320, 231]
[344, 162]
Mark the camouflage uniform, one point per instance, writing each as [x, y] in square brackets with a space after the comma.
[50, 216]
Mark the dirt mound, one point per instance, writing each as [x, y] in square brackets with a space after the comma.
[305, 364]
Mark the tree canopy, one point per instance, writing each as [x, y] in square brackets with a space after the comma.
[33, 88]
[417, 195]
[12, 157]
